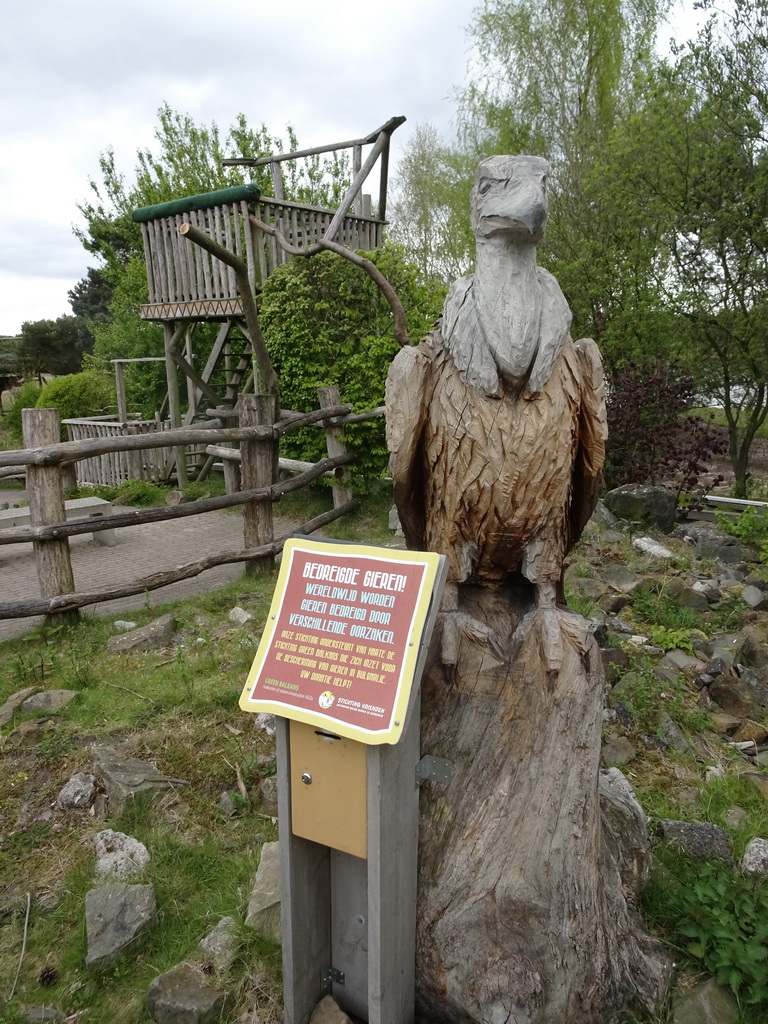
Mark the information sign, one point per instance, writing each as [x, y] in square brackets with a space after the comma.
[343, 636]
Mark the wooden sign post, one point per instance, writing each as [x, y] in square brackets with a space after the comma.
[339, 664]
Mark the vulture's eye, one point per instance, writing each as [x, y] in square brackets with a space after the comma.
[484, 186]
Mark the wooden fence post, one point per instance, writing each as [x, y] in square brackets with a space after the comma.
[342, 492]
[45, 494]
[258, 468]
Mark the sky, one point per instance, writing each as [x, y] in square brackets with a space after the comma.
[77, 76]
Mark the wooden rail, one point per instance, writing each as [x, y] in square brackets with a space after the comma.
[46, 459]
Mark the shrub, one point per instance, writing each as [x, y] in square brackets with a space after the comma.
[650, 437]
[78, 394]
[326, 323]
[26, 398]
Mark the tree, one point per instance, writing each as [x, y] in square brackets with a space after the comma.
[90, 298]
[704, 202]
[430, 212]
[54, 346]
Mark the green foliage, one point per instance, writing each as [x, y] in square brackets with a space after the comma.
[26, 398]
[78, 394]
[751, 526]
[657, 607]
[54, 346]
[671, 639]
[716, 916]
[326, 323]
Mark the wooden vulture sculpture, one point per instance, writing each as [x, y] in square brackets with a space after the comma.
[496, 421]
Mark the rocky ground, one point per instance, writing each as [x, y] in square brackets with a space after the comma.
[138, 868]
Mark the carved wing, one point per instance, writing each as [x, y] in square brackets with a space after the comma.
[406, 404]
[593, 432]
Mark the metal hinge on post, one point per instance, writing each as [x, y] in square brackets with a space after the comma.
[433, 769]
[332, 976]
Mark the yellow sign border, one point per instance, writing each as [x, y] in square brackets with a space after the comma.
[392, 732]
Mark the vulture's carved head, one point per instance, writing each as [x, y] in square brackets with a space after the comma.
[509, 197]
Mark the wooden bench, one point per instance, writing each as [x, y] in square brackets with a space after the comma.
[75, 508]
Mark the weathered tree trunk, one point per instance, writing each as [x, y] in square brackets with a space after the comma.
[522, 918]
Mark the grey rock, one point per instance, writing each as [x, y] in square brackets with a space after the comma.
[612, 604]
[78, 793]
[48, 701]
[264, 902]
[226, 803]
[119, 855]
[700, 839]
[176, 498]
[624, 829]
[125, 777]
[684, 662]
[709, 542]
[220, 944]
[619, 578]
[735, 817]
[239, 616]
[652, 548]
[729, 649]
[617, 750]
[755, 650]
[14, 702]
[672, 737]
[394, 522]
[328, 1011]
[745, 697]
[602, 516]
[755, 859]
[615, 659]
[755, 598]
[643, 503]
[123, 625]
[713, 771]
[152, 637]
[180, 996]
[612, 537]
[28, 734]
[690, 598]
[586, 588]
[41, 1014]
[706, 1003]
[265, 722]
[115, 916]
[759, 781]
[269, 796]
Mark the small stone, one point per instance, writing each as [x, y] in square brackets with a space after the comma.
[78, 793]
[619, 578]
[643, 503]
[759, 781]
[690, 598]
[221, 943]
[648, 546]
[749, 730]
[724, 723]
[728, 649]
[176, 498]
[328, 1011]
[735, 817]
[617, 750]
[125, 777]
[706, 1003]
[755, 859]
[239, 616]
[28, 734]
[672, 736]
[14, 702]
[713, 772]
[701, 839]
[48, 701]
[226, 803]
[42, 1014]
[265, 722]
[264, 902]
[123, 625]
[119, 855]
[394, 522]
[612, 604]
[180, 996]
[755, 598]
[268, 788]
[152, 637]
[115, 915]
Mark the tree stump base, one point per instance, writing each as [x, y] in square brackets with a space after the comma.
[522, 918]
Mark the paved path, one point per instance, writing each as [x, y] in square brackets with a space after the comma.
[139, 551]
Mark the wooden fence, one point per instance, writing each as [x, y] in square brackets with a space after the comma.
[46, 460]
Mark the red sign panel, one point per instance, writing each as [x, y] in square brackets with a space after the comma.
[343, 636]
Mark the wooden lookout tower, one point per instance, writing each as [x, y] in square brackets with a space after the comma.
[189, 285]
